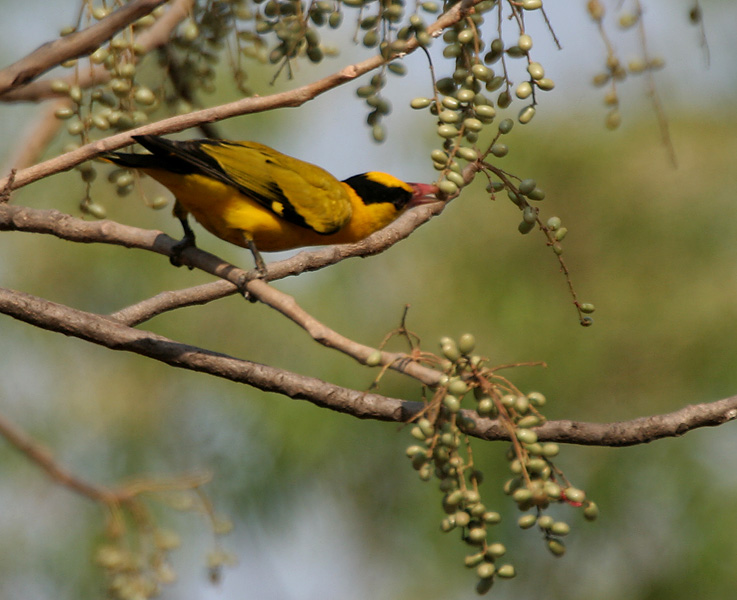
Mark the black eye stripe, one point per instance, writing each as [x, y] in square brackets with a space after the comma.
[373, 192]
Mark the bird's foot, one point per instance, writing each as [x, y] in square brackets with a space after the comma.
[175, 258]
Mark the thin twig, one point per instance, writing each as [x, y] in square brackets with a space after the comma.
[43, 458]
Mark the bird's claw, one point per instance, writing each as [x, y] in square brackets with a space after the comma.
[175, 257]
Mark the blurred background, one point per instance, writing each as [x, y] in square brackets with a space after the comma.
[326, 506]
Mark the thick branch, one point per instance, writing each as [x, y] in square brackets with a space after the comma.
[644, 429]
[108, 333]
[64, 226]
[74, 45]
[69, 228]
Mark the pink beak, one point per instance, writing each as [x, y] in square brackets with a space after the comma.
[423, 194]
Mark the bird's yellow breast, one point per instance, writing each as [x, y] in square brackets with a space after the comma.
[232, 216]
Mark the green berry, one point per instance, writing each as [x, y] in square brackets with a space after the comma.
[560, 234]
[526, 114]
[485, 112]
[536, 70]
[526, 186]
[64, 112]
[545, 522]
[457, 387]
[524, 42]
[59, 86]
[575, 495]
[417, 433]
[447, 131]
[467, 343]
[455, 178]
[467, 153]
[536, 194]
[452, 403]
[553, 490]
[554, 223]
[485, 407]
[477, 535]
[144, 96]
[499, 150]
[482, 72]
[560, 528]
[466, 36]
[587, 308]
[556, 547]
[484, 585]
[591, 511]
[95, 210]
[526, 521]
[418, 103]
[506, 126]
[415, 450]
[525, 227]
[536, 399]
[550, 449]
[462, 518]
[466, 95]
[485, 570]
[159, 202]
[448, 187]
[473, 560]
[449, 116]
[531, 4]
[613, 120]
[526, 436]
[524, 90]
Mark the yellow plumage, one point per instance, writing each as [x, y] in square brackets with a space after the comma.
[251, 195]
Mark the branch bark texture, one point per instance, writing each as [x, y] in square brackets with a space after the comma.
[74, 45]
[106, 332]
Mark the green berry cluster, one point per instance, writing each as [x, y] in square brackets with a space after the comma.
[522, 193]
[136, 560]
[120, 102]
[132, 575]
[384, 30]
[443, 451]
[468, 100]
[615, 71]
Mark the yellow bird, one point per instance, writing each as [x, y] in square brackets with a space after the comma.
[255, 197]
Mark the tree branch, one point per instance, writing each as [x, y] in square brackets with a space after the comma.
[64, 226]
[69, 228]
[642, 430]
[106, 332]
[73, 45]
[43, 458]
[289, 99]
[155, 36]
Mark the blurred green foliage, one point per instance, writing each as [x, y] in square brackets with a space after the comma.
[653, 247]
[328, 506]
